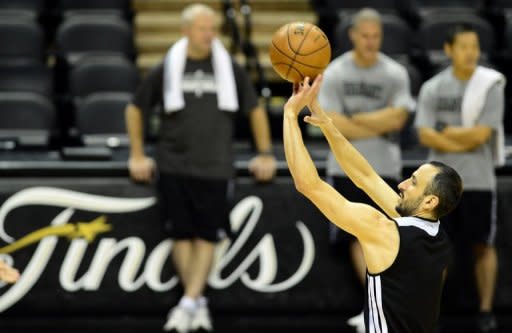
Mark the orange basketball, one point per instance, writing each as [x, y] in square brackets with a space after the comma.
[298, 50]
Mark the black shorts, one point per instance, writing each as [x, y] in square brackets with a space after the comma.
[474, 219]
[193, 208]
[350, 191]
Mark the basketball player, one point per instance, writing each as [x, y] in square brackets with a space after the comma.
[368, 96]
[194, 151]
[405, 249]
[469, 150]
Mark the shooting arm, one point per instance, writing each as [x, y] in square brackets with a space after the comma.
[357, 167]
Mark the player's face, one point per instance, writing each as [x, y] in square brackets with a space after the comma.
[412, 190]
[366, 37]
[201, 32]
[464, 52]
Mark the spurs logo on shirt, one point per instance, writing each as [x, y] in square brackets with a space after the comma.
[199, 83]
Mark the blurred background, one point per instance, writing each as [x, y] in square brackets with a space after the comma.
[68, 68]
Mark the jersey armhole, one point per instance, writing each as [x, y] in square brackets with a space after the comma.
[397, 254]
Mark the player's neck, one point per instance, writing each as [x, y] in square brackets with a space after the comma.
[196, 54]
[461, 74]
[426, 216]
[363, 62]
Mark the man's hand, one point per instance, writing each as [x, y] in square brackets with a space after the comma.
[7, 273]
[141, 168]
[263, 167]
[318, 116]
[303, 95]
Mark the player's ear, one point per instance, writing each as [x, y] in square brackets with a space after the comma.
[430, 202]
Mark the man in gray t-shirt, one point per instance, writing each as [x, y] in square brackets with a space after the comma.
[468, 150]
[368, 96]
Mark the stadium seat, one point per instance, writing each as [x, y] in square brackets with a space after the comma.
[26, 118]
[79, 35]
[22, 41]
[396, 40]
[101, 74]
[435, 26]
[35, 78]
[100, 119]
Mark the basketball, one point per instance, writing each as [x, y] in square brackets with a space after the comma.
[298, 50]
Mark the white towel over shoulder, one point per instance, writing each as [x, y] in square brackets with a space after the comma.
[174, 67]
[473, 102]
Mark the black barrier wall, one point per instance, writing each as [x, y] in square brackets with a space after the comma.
[96, 245]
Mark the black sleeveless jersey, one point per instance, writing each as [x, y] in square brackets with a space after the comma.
[406, 297]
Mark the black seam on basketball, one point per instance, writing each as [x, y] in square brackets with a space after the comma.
[306, 54]
[298, 49]
[294, 61]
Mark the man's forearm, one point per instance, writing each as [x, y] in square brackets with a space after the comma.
[134, 125]
[471, 137]
[261, 130]
[382, 121]
[437, 141]
[299, 161]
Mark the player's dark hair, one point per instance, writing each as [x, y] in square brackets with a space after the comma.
[456, 30]
[447, 186]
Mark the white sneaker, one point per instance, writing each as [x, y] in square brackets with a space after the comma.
[178, 320]
[357, 322]
[201, 320]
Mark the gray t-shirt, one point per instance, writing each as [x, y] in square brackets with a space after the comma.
[440, 102]
[349, 89]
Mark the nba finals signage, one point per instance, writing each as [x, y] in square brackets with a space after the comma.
[88, 247]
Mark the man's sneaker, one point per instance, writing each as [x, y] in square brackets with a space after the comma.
[357, 322]
[178, 320]
[201, 321]
[487, 323]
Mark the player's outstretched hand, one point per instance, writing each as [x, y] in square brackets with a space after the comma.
[303, 94]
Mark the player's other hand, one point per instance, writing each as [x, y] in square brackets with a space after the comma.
[303, 94]
[318, 116]
[141, 168]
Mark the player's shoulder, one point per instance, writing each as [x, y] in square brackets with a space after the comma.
[433, 84]
[392, 66]
[339, 63]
